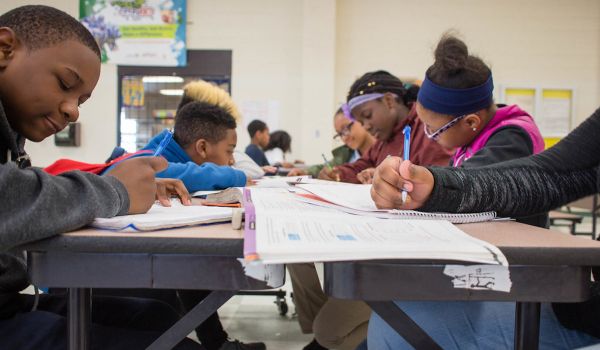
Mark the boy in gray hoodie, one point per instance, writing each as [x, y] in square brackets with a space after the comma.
[49, 65]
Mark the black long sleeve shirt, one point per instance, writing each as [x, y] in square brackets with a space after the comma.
[531, 185]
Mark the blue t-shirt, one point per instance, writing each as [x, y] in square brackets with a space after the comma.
[257, 155]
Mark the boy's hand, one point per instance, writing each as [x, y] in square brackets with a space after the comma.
[297, 172]
[329, 174]
[366, 176]
[392, 175]
[137, 175]
[167, 187]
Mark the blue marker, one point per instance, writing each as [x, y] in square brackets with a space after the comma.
[406, 156]
[164, 143]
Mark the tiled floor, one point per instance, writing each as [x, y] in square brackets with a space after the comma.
[256, 318]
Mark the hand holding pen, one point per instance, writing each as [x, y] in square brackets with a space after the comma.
[406, 156]
[328, 172]
[164, 143]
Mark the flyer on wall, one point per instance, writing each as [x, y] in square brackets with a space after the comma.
[137, 32]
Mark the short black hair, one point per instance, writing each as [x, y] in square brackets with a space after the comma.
[256, 126]
[382, 81]
[280, 139]
[38, 27]
[200, 120]
[454, 67]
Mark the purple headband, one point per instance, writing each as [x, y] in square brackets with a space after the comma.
[359, 100]
[455, 102]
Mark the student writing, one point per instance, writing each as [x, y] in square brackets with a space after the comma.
[382, 103]
[356, 139]
[49, 65]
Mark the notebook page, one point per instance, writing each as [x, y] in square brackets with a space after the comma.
[282, 234]
[356, 199]
[159, 217]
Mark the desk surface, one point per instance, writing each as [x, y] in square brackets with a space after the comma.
[217, 239]
[520, 243]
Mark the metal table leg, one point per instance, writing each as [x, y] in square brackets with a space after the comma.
[78, 318]
[404, 325]
[191, 320]
[527, 326]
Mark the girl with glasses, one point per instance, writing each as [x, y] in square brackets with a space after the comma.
[356, 139]
[456, 105]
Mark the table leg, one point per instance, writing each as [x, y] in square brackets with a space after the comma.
[191, 320]
[404, 325]
[594, 213]
[527, 326]
[78, 318]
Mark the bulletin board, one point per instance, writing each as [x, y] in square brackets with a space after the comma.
[552, 108]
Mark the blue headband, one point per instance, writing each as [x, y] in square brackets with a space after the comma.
[455, 102]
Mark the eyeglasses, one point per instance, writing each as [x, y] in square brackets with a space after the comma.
[345, 131]
[435, 135]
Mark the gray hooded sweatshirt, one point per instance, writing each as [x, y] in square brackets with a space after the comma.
[35, 205]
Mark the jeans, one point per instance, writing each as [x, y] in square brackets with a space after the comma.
[473, 325]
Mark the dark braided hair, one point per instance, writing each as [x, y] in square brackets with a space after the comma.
[454, 68]
[382, 81]
[38, 27]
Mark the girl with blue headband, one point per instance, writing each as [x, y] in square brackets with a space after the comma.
[457, 108]
[518, 187]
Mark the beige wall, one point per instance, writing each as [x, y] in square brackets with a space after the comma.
[305, 54]
[526, 42]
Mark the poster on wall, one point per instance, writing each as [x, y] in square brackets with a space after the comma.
[524, 98]
[556, 112]
[137, 32]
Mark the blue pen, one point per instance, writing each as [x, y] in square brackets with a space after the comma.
[164, 143]
[406, 133]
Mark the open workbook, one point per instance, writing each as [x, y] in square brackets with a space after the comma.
[279, 229]
[159, 217]
[356, 199]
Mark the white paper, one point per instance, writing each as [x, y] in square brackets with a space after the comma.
[289, 181]
[480, 277]
[556, 116]
[292, 231]
[273, 274]
[356, 199]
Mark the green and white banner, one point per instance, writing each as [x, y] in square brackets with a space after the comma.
[137, 32]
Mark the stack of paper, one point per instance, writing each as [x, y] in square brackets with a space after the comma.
[281, 230]
[356, 199]
[159, 217]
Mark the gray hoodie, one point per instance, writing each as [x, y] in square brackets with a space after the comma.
[35, 205]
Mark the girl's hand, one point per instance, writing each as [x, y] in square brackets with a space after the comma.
[393, 175]
[329, 174]
[366, 176]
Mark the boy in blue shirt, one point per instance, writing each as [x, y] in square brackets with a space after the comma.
[201, 152]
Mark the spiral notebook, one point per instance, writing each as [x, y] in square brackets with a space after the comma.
[356, 199]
